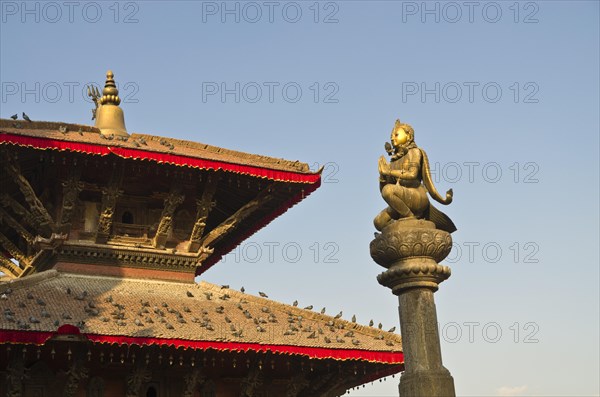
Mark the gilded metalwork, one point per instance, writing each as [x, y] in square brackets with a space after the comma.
[93, 93]
[109, 116]
[405, 182]
[414, 238]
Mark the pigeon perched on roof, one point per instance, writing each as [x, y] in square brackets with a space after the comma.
[14, 116]
[26, 117]
[263, 294]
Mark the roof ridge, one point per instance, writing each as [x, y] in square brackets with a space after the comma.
[158, 144]
[300, 166]
[128, 279]
[29, 280]
[47, 125]
[308, 314]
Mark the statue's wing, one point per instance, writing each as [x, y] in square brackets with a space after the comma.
[441, 220]
[428, 182]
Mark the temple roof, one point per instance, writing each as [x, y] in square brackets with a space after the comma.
[199, 316]
[211, 198]
[63, 136]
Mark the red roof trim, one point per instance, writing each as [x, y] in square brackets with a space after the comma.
[45, 143]
[39, 338]
[167, 158]
[313, 181]
[174, 159]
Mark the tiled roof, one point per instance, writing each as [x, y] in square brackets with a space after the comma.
[185, 311]
[76, 133]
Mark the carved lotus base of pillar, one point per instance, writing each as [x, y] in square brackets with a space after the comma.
[411, 249]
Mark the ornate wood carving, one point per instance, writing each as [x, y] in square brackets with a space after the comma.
[172, 201]
[14, 251]
[109, 203]
[204, 205]
[234, 220]
[135, 379]
[35, 205]
[9, 268]
[15, 376]
[252, 383]
[296, 385]
[76, 374]
[11, 222]
[9, 202]
[332, 385]
[71, 188]
[192, 381]
[317, 386]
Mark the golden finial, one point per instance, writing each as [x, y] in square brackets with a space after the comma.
[110, 93]
[109, 116]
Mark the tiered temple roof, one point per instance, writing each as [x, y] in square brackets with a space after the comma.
[197, 316]
[101, 236]
[146, 172]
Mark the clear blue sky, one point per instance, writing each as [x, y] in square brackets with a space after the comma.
[504, 96]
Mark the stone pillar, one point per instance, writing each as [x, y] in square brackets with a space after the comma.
[411, 250]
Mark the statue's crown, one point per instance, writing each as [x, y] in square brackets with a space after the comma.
[397, 125]
[406, 127]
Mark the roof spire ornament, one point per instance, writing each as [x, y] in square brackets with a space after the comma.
[110, 93]
[109, 116]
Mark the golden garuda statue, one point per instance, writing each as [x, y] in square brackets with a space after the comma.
[405, 181]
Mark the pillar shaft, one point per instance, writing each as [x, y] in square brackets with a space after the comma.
[411, 251]
[424, 373]
[418, 325]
